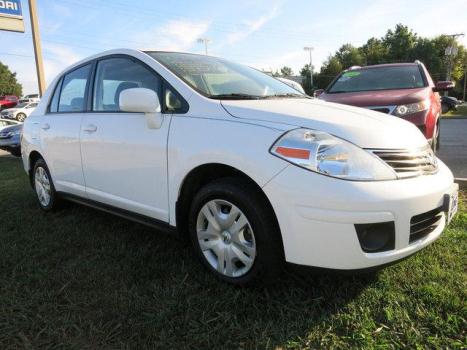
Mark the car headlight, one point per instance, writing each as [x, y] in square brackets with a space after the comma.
[328, 155]
[403, 110]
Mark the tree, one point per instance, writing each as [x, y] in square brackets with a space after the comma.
[349, 56]
[374, 51]
[399, 43]
[8, 83]
[286, 71]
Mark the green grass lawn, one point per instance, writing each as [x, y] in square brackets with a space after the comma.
[83, 279]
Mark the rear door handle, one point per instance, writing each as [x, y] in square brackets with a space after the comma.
[45, 126]
[90, 128]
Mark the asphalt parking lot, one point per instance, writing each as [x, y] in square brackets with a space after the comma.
[453, 149]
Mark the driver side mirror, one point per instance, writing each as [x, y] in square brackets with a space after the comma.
[444, 86]
[142, 100]
[318, 92]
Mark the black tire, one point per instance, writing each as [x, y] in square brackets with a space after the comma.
[438, 136]
[435, 140]
[269, 257]
[445, 108]
[16, 152]
[21, 117]
[54, 202]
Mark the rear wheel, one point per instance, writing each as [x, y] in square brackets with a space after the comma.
[234, 232]
[44, 187]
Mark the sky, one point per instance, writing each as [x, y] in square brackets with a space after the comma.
[265, 34]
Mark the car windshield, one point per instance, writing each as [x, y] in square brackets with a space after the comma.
[381, 78]
[21, 105]
[221, 79]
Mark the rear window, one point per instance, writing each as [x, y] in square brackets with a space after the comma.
[383, 78]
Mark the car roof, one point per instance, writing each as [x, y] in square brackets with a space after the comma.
[401, 64]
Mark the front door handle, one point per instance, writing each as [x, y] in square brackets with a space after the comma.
[45, 126]
[90, 128]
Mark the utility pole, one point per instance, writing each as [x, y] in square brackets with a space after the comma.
[310, 49]
[205, 41]
[37, 46]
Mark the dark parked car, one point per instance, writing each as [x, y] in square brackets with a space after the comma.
[405, 90]
[449, 103]
[10, 139]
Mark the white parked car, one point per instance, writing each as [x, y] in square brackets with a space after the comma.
[252, 171]
[20, 112]
[30, 98]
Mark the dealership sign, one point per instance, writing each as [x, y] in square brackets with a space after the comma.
[11, 16]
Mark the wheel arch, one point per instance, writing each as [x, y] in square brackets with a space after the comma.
[202, 175]
[32, 159]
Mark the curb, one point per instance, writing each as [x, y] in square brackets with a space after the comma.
[454, 117]
[462, 182]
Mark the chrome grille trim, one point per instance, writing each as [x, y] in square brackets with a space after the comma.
[409, 163]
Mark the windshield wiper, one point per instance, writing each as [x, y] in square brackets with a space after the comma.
[287, 95]
[236, 96]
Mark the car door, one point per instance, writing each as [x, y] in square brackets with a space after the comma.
[124, 161]
[60, 131]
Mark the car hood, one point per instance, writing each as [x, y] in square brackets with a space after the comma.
[378, 98]
[11, 128]
[365, 128]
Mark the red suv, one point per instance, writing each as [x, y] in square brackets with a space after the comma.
[404, 90]
[8, 101]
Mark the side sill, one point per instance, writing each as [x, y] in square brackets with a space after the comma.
[141, 219]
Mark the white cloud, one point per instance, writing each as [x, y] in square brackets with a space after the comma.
[57, 58]
[252, 26]
[175, 35]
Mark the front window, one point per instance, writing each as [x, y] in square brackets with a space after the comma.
[221, 79]
[381, 78]
[21, 105]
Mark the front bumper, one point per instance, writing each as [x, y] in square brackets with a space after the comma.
[10, 143]
[317, 215]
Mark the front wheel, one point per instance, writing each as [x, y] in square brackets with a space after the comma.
[445, 108]
[235, 233]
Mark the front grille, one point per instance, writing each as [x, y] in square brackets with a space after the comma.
[423, 224]
[409, 163]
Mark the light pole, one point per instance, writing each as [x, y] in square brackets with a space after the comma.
[205, 41]
[310, 49]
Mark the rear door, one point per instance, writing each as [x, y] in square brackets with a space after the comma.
[60, 131]
[124, 161]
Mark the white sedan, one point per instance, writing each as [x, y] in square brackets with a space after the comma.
[20, 112]
[252, 171]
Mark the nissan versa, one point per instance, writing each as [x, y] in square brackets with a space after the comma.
[252, 170]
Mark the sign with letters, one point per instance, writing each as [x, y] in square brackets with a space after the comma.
[11, 16]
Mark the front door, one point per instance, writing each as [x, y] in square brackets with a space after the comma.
[124, 161]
